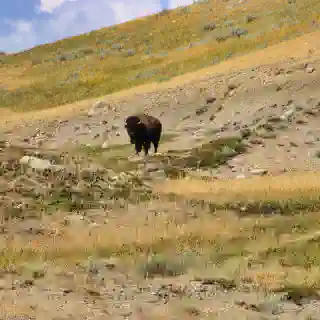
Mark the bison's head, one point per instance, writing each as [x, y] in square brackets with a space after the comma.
[133, 124]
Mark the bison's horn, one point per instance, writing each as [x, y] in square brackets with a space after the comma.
[139, 122]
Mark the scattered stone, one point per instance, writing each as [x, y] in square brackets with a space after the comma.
[311, 111]
[268, 135]
[92, 292]
[201, 110]
[245, 133]
[224, 283]
[96, 107]
[3, 140]
[73, 219]
[257, 141]
[302, 121]
[310, 69]
[287, 115]
[310, 141]
[115, 127]
[211, 100]
[105, 145]
[247, 306]
[293, 144]
[36, 163]
[259, 172]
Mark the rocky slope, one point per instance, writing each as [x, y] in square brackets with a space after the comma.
[75, 186]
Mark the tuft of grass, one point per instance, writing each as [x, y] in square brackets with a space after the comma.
[208, 155]
[165, 266]
[262, 195]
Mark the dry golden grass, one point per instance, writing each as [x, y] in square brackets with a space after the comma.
[269, 251]
[296, 48]
[45, 81]
[290, 186]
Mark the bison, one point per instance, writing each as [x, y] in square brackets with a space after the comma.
[143, 130]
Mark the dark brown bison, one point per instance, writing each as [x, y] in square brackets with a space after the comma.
[143, 130]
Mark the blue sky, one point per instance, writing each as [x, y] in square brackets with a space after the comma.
[26, 23]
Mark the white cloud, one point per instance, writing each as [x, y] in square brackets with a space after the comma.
[50, 5]
[176, 3]
[127, 10]
[22, 35]
[73, 17]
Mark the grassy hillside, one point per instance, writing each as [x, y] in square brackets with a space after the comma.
[152, 49]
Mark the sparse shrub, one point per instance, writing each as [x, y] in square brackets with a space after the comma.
[228, 23]
[163, 12]
[250, 18]
[131, 52]
[186, 10]
[104, 41]
[36, 271]
[246, 133]
[163, 78]
[215, 60]
[181, 48]
[238, 32]
[117, 46]
[35, 62]
[62, 58]
[160, 265]
[67, 57]
[103, 53]
[85, 51]
[74, 76]
[146, 74]
[221, 38]
[209, 26]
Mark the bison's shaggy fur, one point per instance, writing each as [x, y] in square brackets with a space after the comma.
[143, 130]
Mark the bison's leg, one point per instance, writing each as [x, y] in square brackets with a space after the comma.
[156, 145]
[138, 147]
[146, 147]
[156, 139]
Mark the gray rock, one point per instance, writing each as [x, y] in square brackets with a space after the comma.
[36, 163]
[115, 127]
[287, 115]
[97, 106]
[73, 219]
[105, 145]
[310, 69]
[259, 172]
